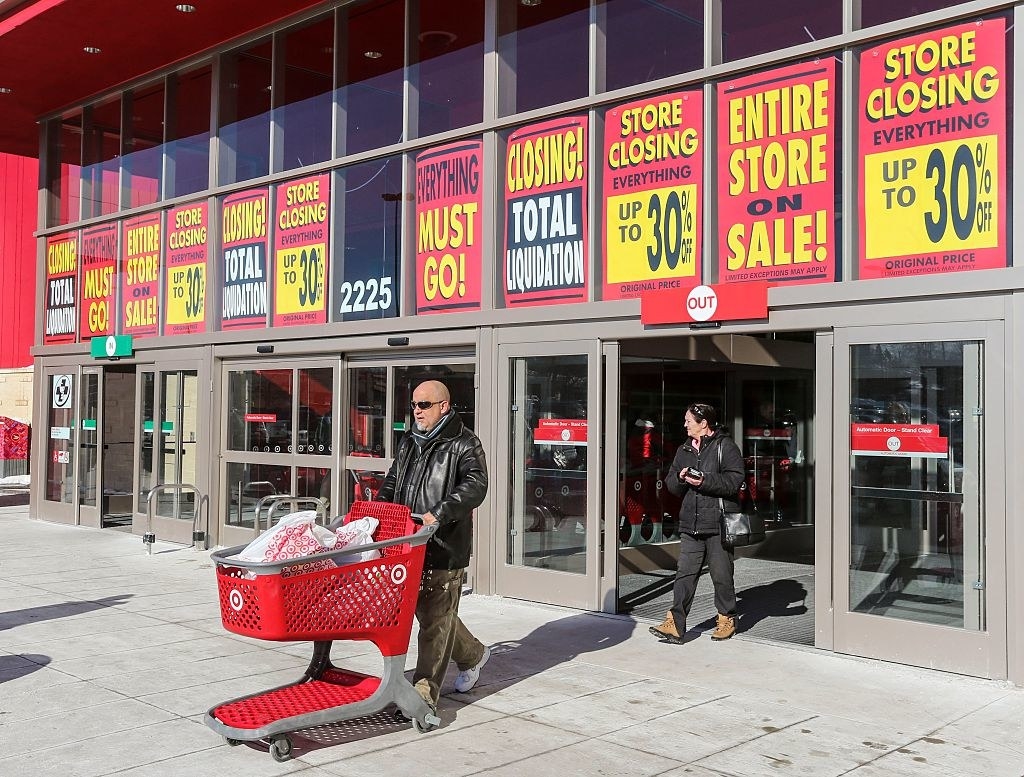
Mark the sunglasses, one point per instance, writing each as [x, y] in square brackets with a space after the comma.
[424, 404]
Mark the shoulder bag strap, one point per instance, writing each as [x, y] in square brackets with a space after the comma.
[721, 502]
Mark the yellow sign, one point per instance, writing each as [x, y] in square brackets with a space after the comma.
[651, 234]
[932, 199]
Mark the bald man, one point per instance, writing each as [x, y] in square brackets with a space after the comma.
[440, 472]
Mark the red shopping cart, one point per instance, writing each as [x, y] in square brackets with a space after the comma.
[326, 597]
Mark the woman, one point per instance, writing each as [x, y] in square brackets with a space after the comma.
[707, 472]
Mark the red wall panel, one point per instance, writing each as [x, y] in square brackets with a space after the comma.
[19, 179]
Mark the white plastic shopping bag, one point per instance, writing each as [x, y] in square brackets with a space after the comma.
[294, 535]
[355, 533]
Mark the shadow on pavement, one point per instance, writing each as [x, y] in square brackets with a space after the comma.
[779, 598]
[511, 661]
[15, 618]
[13, 667]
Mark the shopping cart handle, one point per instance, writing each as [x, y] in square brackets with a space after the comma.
[224, 557]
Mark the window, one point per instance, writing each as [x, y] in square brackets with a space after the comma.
[245, 113]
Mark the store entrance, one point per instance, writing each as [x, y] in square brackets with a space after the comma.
[106, 444]
[764, 395]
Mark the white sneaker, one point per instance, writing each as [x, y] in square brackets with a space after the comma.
[465, 680]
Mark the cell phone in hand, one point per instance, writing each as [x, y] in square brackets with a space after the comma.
[696, 474]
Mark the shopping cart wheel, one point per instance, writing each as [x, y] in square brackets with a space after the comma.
[429, 723]
[232, 742]
[281, 749]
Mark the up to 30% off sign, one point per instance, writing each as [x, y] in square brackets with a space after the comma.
[932, 199]
[651, 234]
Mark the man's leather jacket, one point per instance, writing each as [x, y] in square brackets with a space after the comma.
[446, 477]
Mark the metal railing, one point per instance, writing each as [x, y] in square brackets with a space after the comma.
[198, 536]
[272, 501]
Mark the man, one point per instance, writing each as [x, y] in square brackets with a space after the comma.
[440, 472]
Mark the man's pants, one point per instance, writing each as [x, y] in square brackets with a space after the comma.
[442, 637]
[692, 552]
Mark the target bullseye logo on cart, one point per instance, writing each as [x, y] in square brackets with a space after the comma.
[236, 600]
[398, 574]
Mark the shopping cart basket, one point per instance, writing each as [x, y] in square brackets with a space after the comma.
[326, 597]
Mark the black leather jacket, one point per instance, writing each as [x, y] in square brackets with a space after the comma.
[447, 477]
[701, 508]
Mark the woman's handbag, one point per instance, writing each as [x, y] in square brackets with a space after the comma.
[738, 529]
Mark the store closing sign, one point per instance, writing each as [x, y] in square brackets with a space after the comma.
[933, 142]
[700, 304]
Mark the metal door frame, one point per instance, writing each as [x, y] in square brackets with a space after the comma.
[979, 653]
[167, 529]
[91, 516]
[587, 591]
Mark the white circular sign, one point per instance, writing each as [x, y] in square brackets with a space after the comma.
[236, 600]
[566, 434]
[893, 443]
[61, 391]
[398, 574]
[701, 303]
[111, 345]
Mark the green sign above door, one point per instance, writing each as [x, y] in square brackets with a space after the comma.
[110, 346]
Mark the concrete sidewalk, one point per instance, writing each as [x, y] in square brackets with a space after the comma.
[109, 658]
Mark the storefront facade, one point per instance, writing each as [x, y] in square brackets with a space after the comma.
[581, 219]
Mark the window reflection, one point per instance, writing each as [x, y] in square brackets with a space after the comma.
[916, 530]
[548, 516]
[303, 114]
[143, 158]
[64, 170]
[544, 48]
[881, 11]
[650, 39]
[447, 65]
[188, 132]
[368, 202]
[101, 151]
[751, 27]
[368, 389]
[244, 130]
[370, 83]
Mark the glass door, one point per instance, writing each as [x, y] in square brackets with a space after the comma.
[915, 509]
[547, 474]
[90, 448]
[58, 466]
[168, 450]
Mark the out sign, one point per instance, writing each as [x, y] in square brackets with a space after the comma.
[701, 303]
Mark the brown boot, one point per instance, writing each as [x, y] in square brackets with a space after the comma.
[726, 627]
[667, 631]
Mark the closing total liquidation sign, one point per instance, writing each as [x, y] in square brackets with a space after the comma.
[932, 148]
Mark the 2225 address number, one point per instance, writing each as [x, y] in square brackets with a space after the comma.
[360, 296]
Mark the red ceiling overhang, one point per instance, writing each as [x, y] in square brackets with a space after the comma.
[45, 67]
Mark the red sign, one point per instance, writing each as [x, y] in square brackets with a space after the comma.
[933, 146]
[61, 288]
[260, 417]
[545, 260]
[244, 260]
[140, 275]
[185, 276]
[302, 216]
[777, 189]
[99, 280]
[449, 209]
[697, 304]
[653, 182]
[905, 440]
[561, 431]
